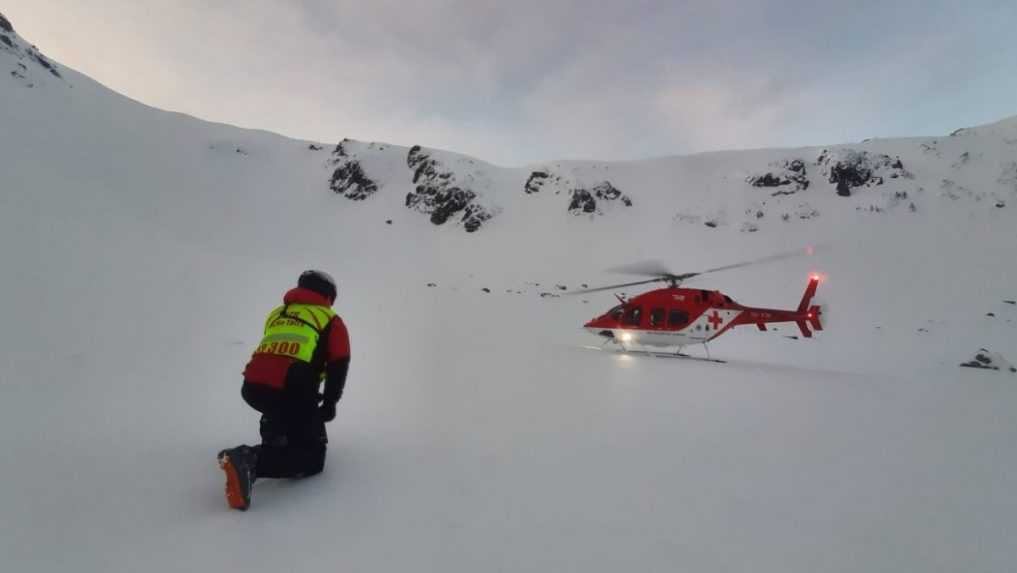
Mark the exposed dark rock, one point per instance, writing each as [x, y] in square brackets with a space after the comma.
[431, 285]
[314, 147]
[584, 201]
[989, 361]
[1010, 301]
[5, 25]
[349, 178]
[6, 40]
[535, 182]
[350, 181]
[768, 180]
[1000, 204]
[485, 289]
[990, 314]
[388, 221]
[850, 169]
[711, 224]
[42, 61]
[790, 175]
[421, 164]
[438, 195]
[561, 287]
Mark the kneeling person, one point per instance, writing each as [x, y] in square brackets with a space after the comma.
[305, 341]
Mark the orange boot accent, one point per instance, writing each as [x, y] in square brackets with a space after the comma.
[234, 495]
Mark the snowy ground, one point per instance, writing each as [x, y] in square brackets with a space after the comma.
[142, 251]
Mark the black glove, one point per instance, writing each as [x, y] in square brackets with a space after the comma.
[327, 411]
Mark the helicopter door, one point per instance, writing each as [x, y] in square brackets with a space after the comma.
[657, 318]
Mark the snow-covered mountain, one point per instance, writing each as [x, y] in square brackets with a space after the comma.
[142, 249]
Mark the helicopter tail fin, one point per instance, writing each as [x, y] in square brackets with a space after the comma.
[810, 291]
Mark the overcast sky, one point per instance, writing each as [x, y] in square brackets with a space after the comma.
[521, 81]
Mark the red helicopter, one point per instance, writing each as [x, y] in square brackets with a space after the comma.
[676, 317]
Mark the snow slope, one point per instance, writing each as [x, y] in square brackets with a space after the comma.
[142, 249]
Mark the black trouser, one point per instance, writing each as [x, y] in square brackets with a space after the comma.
[293, 436]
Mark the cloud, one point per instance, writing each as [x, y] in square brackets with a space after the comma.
[528, 81]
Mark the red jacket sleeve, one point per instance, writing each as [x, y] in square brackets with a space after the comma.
[338, 341]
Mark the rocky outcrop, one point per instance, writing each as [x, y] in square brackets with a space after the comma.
[989, 360]
[535, 182]
[35, 55]
[349, 178]
[788, 178]
[438, 194]
[9, 42]
[585, 201]
[538, 179]
[849, 169]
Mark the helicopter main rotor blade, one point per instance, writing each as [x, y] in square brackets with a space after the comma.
[650, 268]
[655, 268]
[661, 273]
[768, 259]
[618, 286]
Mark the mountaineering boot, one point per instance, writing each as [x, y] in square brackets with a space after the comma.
[238, 464]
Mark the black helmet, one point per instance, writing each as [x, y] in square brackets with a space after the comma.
[320, 282]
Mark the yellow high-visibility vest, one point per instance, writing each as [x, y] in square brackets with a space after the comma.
[294, 329]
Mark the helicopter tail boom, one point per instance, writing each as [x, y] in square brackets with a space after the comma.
[806, 316]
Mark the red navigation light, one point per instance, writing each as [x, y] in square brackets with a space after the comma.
[815, 277]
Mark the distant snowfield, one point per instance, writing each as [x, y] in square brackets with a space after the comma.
[142, 250]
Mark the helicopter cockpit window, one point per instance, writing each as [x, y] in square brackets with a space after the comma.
[678, 318]
[657, 317]
[616, 312]
[728, 300]
[634, 315]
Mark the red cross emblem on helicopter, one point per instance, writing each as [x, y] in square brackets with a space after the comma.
[715, 320]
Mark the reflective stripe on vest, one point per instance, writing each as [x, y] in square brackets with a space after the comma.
[293, 330]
